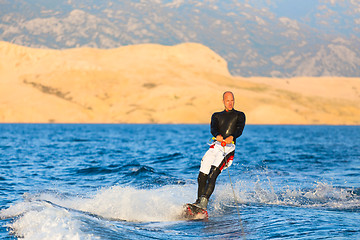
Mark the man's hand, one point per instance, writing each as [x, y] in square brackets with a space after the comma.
[229, 139]
[219, 138]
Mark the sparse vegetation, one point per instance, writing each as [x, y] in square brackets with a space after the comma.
[49, 90]
[149, 85]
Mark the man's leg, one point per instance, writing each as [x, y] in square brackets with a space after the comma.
[214, 173]
[202, 182]
[205, 167]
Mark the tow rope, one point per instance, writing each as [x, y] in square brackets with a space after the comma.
[223, 144]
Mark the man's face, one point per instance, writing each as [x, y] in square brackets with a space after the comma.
[228, 101]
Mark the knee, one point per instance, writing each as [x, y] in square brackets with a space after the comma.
[215, 171]
[202, 177]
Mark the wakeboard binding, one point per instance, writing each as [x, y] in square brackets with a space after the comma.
[194, 212]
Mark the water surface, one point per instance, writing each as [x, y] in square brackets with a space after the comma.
[89, 181]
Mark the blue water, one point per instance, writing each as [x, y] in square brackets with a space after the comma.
[84, 181]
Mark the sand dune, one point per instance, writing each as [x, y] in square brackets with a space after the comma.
[151, 83]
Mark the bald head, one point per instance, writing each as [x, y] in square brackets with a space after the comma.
[226, 93]
[229, 101]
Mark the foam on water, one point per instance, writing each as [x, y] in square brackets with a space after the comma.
[48, 223]
[323, 195]
[131, 204]
[53, 215]
[49, 215]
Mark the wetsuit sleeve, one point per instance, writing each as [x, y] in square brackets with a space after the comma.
[240, 124]
[214, 125]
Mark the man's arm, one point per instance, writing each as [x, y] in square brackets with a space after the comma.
[214, 125]
[240, 124]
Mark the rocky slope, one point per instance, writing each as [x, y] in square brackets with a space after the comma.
[280, 38]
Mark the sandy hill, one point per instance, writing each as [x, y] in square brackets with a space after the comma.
[151, 83]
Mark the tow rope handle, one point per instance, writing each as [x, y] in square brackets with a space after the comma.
[223, 143]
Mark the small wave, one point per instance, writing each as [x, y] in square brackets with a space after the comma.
[141, 170]
[168, 157]
[79, 140]
[93, 171]
[134, 170]
[3, 147]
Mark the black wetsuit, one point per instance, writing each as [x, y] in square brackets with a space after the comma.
[228, 123]
[225, 123]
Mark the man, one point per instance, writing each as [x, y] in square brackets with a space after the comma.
[226, 126]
